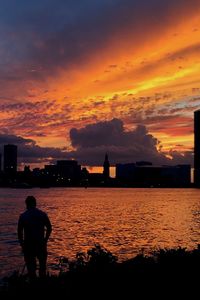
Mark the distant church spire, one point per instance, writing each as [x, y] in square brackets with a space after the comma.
[106, 167]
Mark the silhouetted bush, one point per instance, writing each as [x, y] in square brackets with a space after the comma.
[99, 270]
[96, 259]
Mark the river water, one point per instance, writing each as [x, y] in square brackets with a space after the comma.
[124, 221]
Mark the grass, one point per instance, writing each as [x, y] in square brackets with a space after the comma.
[98, 274]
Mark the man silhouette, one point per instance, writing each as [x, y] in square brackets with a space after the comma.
[34, 229]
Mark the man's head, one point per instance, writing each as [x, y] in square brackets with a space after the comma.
[30, 202]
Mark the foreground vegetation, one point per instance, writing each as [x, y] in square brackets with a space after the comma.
[98, 274]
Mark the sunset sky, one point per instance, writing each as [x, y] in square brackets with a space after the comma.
[79, 78]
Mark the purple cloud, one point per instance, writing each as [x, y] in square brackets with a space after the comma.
[94, 140]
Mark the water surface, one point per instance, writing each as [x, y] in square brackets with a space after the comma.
[124, 221]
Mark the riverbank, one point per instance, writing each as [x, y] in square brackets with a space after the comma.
[98, 273]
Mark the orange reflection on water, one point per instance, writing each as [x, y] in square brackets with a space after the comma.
[125, 221]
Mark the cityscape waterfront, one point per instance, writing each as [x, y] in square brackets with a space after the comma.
[66, 173]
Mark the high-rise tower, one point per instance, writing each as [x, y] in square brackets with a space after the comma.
[106, 168]
[10, 159]
[197, 148]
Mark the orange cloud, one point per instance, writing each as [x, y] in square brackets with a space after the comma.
[139, 70]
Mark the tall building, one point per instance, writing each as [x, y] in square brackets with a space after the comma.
[106, 168]
[69, 169]
[10, 159]
[153, 176]
[197, 148]
[126, 173]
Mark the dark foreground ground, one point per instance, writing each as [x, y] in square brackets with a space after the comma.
[166, 274]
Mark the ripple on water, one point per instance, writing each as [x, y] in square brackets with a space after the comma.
[122, 220]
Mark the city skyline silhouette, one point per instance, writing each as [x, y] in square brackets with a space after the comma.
[70, 173]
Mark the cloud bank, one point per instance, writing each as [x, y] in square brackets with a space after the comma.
[30, 152]
[123, 146]
[93, 141]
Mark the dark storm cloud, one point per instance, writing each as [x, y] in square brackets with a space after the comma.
[47, 34]
[102, 133]
[29, 151]
[93, 141]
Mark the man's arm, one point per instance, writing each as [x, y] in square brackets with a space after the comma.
[48, 228]
[20, 231]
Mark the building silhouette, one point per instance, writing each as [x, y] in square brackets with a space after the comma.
[10, 159]
[146, 175]
[197, 148]
[65, 172]
[69, 169]
[106, 168]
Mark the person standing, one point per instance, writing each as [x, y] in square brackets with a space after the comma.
[34, 230]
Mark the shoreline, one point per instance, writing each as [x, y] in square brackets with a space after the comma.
[99, 270]
[100, 187]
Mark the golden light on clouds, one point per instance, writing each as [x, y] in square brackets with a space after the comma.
[144, 72]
